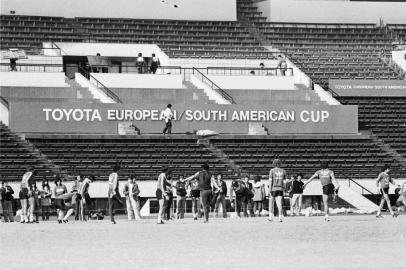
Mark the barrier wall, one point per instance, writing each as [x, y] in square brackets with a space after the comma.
[109, 50]
[399, 57]
[205, 10]
[33, 79]
[121, 80]
[254, 82]
[368, 88]
[104, 118]
[37, 92]
[310, 11]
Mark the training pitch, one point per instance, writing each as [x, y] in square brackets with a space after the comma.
[346, 242]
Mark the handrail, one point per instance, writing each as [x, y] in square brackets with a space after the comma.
[332, 92]
[358, 184]
[214, 86]
[4, 102]
[34, 67]
[243, 69]
[104, 88]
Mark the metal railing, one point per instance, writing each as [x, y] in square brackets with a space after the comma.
[28, 67]
[99, 85]
[238, 71]
[4, 102]
[213, 86]
[352, 181]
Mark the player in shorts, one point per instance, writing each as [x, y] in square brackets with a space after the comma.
[195, 196]
[401, 199]
[277, 177]
[382, 183]
[329, 185]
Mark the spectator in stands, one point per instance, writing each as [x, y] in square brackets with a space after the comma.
[259, 195]
[262, 71]
[154, 64]
[206, 182]
[282, 65]
[45, 200]
[7, 201]
[140, 63]
[161, 187]
[220, 196]
[252, 73]
[277, 175]
[114, 192]
[180, 187]
[168, 116]
[13, 64]
[85, 200]
[131, 192]
[59, 190]
[297, 195]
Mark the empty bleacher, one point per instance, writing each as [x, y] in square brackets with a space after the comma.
[399, 30]
[211, 39]
[385, 116]
[327, 51]
[143, 157]
[15, 157]
[348, 157]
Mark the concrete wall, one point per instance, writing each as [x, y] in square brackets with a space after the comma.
[32, 79]
[216, 10]
[399, 57]
[120, 80]
[254, 82]
[317, 11]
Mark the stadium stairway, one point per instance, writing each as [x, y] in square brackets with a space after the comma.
[355, 199]
[17, 154]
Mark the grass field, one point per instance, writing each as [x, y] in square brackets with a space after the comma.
[346, 242]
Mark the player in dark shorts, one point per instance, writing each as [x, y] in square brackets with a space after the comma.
[237, 188]
[382, 183]
[400, 192]
[206, 184]
[329, 185]
[277, 176]
[195, 196]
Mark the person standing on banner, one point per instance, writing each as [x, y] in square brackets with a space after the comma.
[206, 181]
[131, 192]
[114, 193]
[168, 116]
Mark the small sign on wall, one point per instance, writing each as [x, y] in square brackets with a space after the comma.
[127, 128]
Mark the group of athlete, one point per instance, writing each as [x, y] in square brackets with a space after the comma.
[206, 190]
[209, 190]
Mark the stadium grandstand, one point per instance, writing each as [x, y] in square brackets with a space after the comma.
[78, 93]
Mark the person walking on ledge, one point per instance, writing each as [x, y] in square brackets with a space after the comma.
[167, 115]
